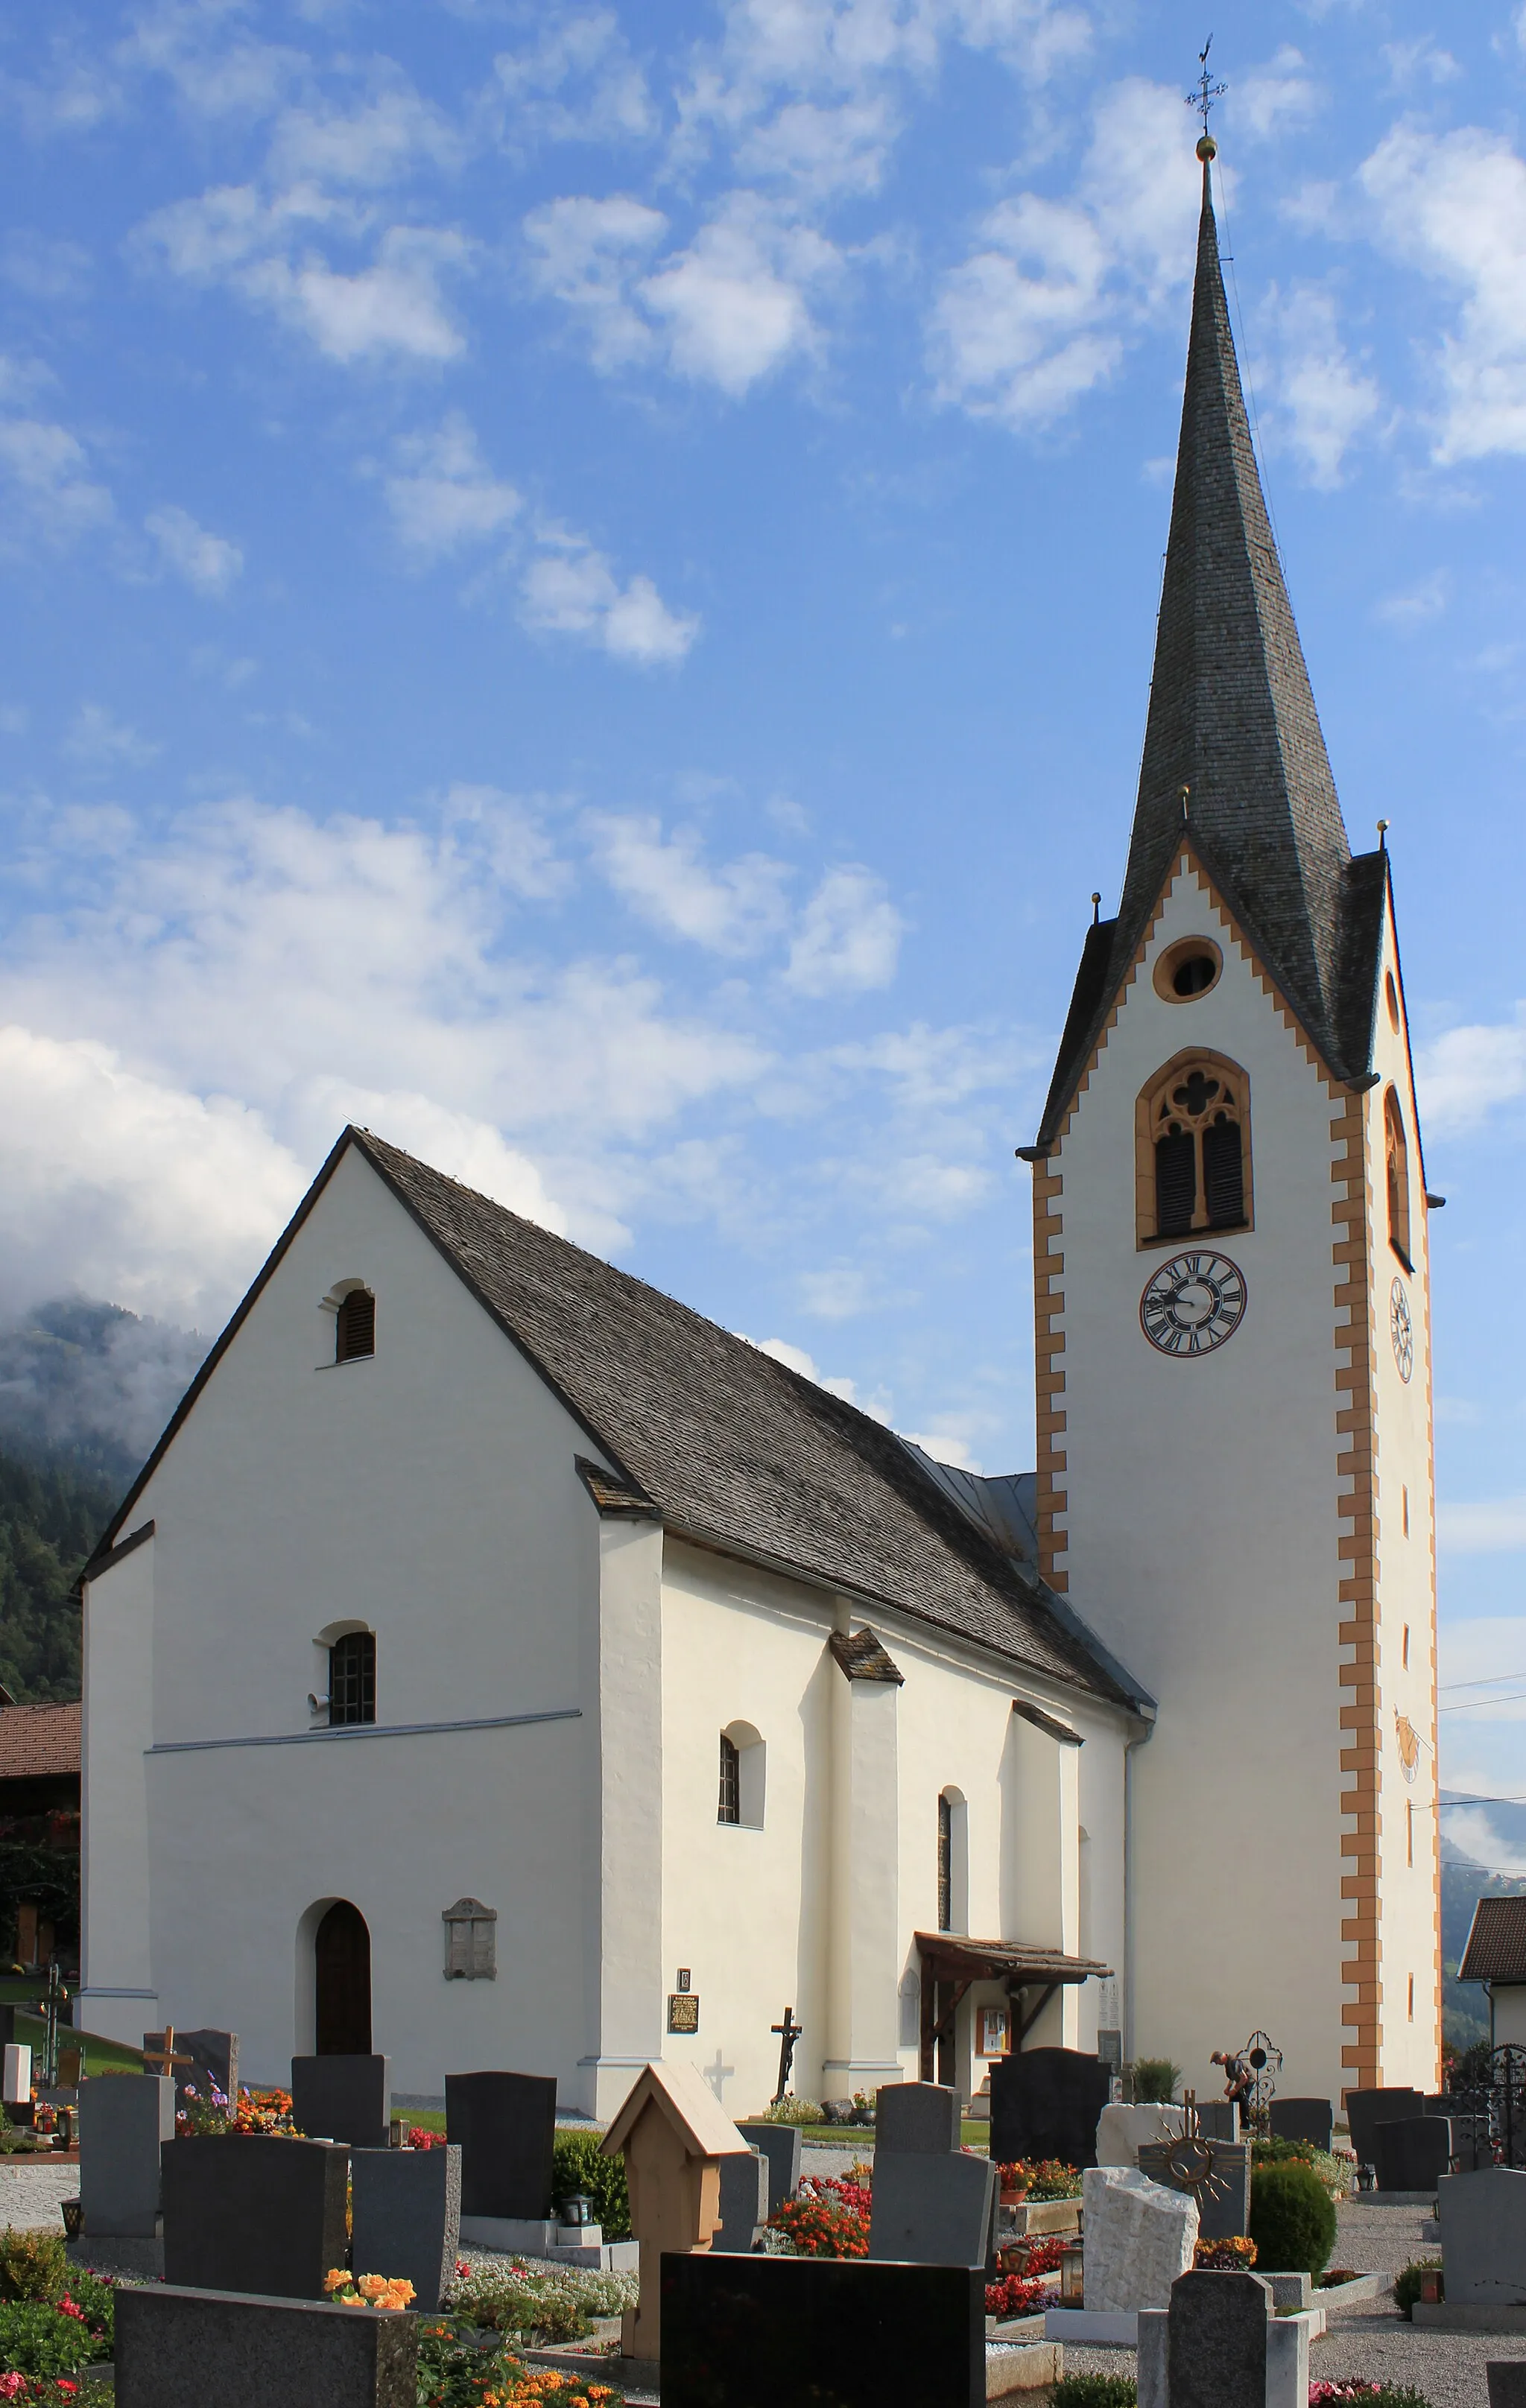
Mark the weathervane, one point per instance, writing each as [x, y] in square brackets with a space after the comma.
[1203, 99]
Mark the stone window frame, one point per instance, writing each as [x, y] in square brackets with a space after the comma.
[1193, 1057]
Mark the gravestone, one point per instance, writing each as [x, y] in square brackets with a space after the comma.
[1483, 2237]
[744, 2200]
[1413, 2153]
[1217, 2119]
[251, 2213]
[867, 2335]
[1120, 2131]
[505, 2127]
[1224, 2349]
[780, 2144]
[1139, 2238]
[927, 2211]
[406, 2218]
[1507, 2378]
[344, 2098]
[124, 2120]
[182, 2349]
[213, 2062]
[1304, 2119]
[919, 2116]
[1045, 2102]
[1366, 2109]
[1224, 2200]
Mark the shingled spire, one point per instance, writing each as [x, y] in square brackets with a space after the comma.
[1232, 719]
[1232, 714]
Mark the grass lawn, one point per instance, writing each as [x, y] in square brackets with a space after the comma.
[861, 2136]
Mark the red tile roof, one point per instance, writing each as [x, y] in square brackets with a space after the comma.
[37, 1739]
[1496, 1949]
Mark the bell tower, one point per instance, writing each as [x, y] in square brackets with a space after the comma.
[1233, 1306]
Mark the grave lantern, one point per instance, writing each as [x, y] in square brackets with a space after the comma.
[672, 2133]
[1071, 2275]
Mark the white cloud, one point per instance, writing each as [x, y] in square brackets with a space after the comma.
[822, 151]
[849, 936]
[570, 589]
[214, 66]
[264, 251]
[207, 562]
[509, 832]
[795, 1358]
[577, 82]
[375, 144]
[1421, 61]
[1324, 404]
[734, 910]
[835, 1294]
[1044, 306]
[583, 253]
[1281, 93]
[1418, 605]
[1468, 1073]
[448, 496]
[43, 268]
[98, 741]
[44, 469]
[1492, 1526]
[1454, 205]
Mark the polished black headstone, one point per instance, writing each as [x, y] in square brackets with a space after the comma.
[344, 2098]
[405, 2218]
[1304, 2119]
[252, 2212]
[755, 2332]
[1224, 2201]
[1366, 2109]
[1217, 2119]
[185, 2348]
[505, 2126]
[1412, 2154]
[1045, 2103]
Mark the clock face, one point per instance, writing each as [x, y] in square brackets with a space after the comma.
[1401, 1329]
[1193, 1303]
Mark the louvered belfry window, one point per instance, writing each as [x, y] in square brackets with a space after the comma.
[729, 1809]
[1396, 1152]
[946, 1864]
[1195, 1149]
[355, 1331]
[351, 1678]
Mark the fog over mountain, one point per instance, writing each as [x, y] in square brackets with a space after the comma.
[92, 1383]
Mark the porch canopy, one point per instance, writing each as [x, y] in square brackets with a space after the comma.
[952, 1964]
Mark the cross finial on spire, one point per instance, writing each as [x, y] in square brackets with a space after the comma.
[1203, 99]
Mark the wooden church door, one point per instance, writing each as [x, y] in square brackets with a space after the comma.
[342, 1955]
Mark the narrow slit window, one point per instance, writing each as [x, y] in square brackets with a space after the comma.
[351, 1678]
[729, 1809]
[1396, 1151]
[355, 1327]
[1194, 1149]
[946, 1864]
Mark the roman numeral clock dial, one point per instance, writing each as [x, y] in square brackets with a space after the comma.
[1193, 1303]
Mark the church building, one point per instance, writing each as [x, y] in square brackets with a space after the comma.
[498, 1663]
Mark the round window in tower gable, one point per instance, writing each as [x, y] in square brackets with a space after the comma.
[1187, 969]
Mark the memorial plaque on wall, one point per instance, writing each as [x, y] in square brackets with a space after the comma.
[683, 2011]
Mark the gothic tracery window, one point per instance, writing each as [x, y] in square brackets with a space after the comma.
[1194, 1149]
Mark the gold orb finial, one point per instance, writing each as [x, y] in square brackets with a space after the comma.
[1207, 148]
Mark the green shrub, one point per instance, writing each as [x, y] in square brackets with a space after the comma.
[1406, 2283]
[33, 2264]
[36, 2338]
[1095, 2391]
[1292, 2219]
[790, 2109]
[577, 2165]
[1334, 2174]
[1152, 2081]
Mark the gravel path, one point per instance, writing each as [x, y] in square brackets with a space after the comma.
[29, 2194]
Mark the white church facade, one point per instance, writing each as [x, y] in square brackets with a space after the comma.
[498, 1663]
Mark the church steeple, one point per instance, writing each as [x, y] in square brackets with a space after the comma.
[1232, 721]
[1232, 714]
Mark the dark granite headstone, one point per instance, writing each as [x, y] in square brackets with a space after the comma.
[1412, 2154]
[214, 2060]
[1507, 2378]
[185, 2348]
[780, 2143]
[744, 2199]
[1304, 2119]
[920, 2116]
[1217, 2119]
[406, 2218]
[250, 2213]
[1224, 2202]
[753, 2332]
[342, 2098]
[931, 2211]
[1216, 2347]
[505, 2126]
[1366, 2109]
[1045, 2103]
[126, 2122]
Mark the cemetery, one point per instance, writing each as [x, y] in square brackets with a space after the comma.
[272, 2248]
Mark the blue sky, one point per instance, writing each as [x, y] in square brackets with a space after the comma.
[579, 588]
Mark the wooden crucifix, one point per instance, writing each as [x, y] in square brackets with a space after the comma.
[789, 2032]
[164, 2056]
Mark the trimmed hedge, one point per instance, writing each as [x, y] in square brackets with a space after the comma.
[1292, 2220]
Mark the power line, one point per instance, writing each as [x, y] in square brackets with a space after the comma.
[1472, 1705]
[1492, 1681]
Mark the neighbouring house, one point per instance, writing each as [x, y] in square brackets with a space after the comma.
[40, 1831]
[1496, 1955]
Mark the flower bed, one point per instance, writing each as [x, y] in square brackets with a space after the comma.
[268, 2112]
[457, 2371]
[1014, 2296]
[1047, 2178]
[829, 2216]
[1234, 2255]
[536, 2306]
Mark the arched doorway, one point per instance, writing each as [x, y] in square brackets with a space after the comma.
[341, 1950]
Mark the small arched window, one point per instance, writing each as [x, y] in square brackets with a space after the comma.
[952, 1862]
[354, 1325]
[742, 1760]
[729, 1810]
[351, 1678]
[1193, 1142]
[1396, 1153]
